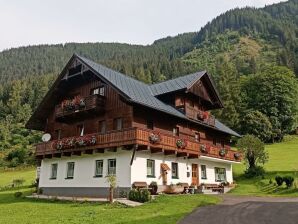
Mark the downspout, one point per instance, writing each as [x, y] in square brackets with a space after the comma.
[133, 154]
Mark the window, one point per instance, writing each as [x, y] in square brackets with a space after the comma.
[70, 170]
[80, 129]
[222, 143]
[150, 168]
[175, 170]
[214, 141]
[54, 168]
[98, 168]
[102, 126]
[112, 167]
[203, 172]
[58, 134]
[117, 124]
[197, 137]
[150, 124]
[220, 174]
[98, 91]
[176, 131]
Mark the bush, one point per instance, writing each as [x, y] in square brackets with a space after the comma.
[18, 182]
[279, 180]
[18, 194]
[139, 195]
[154, 187]
[257, 171]
[289, 181]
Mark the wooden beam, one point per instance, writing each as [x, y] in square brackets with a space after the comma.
[193, 156]
[156, 150]
[182, 154]
[48, 156]
[88, 151]
[99, 150]
[77, 153]
[68, 154]
[113, 149]
[57, 155]
[169, 152]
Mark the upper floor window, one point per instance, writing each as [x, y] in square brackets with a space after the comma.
[102, 126]
[54, 168]
[214, 141]
[98, 91]
[197, 137]
[58, 134]
[118, 124]
[175, 131]
[150, 124]
[80, 129]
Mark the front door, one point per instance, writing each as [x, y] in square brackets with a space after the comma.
[194, 174]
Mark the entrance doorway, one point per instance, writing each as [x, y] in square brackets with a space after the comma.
[194, 174]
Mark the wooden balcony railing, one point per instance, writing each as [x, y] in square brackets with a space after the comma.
[90, 104]
[195, 114]
[133, 136]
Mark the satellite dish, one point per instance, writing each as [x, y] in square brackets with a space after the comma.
[46, 137]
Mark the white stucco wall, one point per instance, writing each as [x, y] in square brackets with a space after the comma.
[84, 170]
[139, 168]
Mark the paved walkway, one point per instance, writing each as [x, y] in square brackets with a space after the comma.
[247, 210]
[81, 199]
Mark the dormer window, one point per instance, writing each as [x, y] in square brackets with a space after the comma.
[176, 131]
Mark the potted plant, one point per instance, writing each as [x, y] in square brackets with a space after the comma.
[153, 187]
[203, 148]
[237, 155]
[181, 143]
[222, 152]
[154, 138]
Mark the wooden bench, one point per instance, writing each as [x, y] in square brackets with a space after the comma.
[140, 185]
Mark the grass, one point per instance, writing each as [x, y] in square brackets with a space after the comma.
[283, 160]
[165, 209]
[7, 176]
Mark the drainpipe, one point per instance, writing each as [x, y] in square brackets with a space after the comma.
[135, 147]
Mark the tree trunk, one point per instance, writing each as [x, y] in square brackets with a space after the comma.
[111, 195]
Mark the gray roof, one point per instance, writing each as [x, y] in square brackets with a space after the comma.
[141, 93]
[179, 83]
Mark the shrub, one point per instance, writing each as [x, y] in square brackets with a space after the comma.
[289, 181]
[139, 195]
[257, 171]
[18, 194]
[279, 180]
[18, 182]
[154, 187]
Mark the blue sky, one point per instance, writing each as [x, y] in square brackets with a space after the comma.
[34, 22]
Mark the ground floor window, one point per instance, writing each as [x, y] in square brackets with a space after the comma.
[175, 170]
[54, 168]
[203, 172]
[70, 170]
[98, 168]
[112, 167]
[220, 174]
[150, 168]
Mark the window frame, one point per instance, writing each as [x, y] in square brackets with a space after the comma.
[67, 170]
[152, 162]
[109, 168]
[173, 164]
[115, 124]
[216, 174]
[54, 177]
[100, 128]
[204, 171]
[197, 139]
[150, 124]
[80, 131]
[176, 131]
[96, 168]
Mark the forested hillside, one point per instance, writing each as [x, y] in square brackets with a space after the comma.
[251, 53]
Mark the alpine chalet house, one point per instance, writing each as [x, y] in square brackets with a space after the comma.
[100, 122]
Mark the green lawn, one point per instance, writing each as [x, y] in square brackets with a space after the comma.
[283, 160]
[165, 209]
[28, 174]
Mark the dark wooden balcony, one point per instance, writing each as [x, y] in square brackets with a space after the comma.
[92, 103]
[141, 139]
[199, 115]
